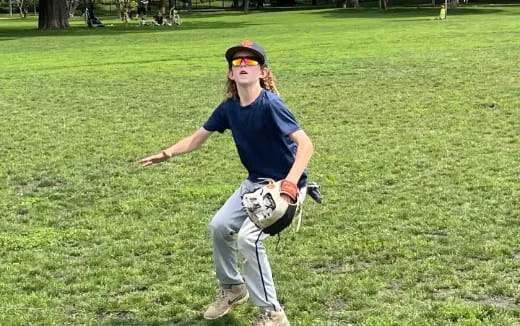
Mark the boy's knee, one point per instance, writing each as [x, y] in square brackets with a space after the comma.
[218, 229]
[245, 241]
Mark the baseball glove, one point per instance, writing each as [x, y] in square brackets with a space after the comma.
[268, 210]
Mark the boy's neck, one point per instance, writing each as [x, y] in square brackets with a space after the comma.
[248, 94]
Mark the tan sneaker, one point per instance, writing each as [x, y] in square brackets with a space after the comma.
[225, 300]
[271, 318]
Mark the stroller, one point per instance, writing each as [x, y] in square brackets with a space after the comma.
[173, 18]
[91, 20]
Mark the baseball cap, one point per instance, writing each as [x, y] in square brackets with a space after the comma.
[249, 46]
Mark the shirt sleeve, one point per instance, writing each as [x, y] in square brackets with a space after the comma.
[283, 118]
[217, 121]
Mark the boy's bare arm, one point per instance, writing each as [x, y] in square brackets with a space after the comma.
[303, 155]
[185, 145]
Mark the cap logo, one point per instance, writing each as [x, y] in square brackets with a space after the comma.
[247, 43]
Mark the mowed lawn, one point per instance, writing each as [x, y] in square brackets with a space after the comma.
[416, 126]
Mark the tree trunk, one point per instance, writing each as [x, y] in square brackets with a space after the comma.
[53, 14]
[118, 9]
[72, 5]
[22, 13]
[353, 3]
[246, 6]
[383, 4]
[454, 4]
[19, 3]
[163, 6]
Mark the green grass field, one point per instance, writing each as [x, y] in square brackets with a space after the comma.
[416, 126]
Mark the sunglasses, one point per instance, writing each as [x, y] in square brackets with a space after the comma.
[247, 60]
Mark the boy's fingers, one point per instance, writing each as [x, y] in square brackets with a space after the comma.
[150, 160]
[145, 161]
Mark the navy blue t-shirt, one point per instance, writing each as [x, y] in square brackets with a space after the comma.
[260, 131]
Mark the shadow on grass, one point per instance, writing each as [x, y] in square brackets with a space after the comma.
[224, 321]
[118, 63]
[10, 33]
[408, 12]
[363, 12]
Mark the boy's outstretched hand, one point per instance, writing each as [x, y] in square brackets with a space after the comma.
[154, 159]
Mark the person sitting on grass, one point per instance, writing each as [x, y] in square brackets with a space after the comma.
[158, 19]
[173, 18]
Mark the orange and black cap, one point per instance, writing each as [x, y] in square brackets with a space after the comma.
[249, 46]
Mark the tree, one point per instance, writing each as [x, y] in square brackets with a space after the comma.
[347, 3]
[72, 5]
[53, 14]
[383, 4]
[21, 7]
[163, 6]
[454, 4]
[186, 4]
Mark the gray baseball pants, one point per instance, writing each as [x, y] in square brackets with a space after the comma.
[256, 271]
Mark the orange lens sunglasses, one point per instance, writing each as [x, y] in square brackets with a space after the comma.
[248, 61]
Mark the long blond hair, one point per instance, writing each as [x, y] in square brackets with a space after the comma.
[266, 83]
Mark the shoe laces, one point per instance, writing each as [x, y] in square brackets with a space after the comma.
[220, 297]
[221, 294]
